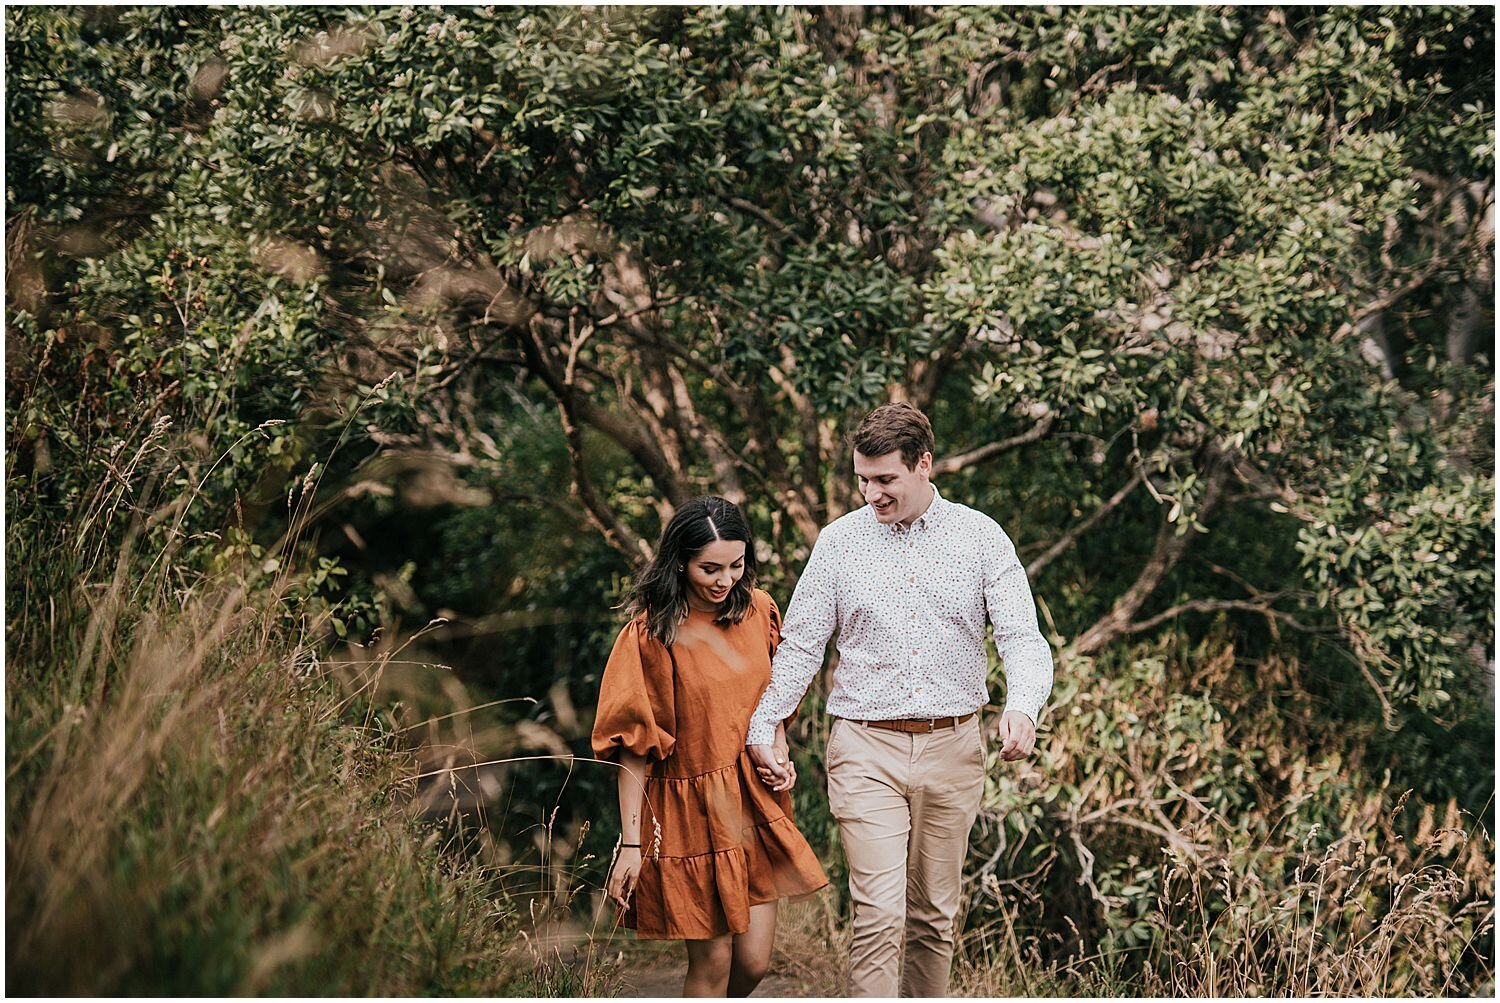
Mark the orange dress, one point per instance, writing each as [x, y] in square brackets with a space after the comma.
[727, 841]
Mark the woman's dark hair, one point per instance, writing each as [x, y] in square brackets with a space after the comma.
[661, 588]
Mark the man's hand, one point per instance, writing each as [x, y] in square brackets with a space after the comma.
[1017, 736]
[773, 765]
[784, 757]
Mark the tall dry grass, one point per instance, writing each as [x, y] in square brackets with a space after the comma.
[1322, 881]
[468, 755]
[211, 823]
[1371, 914]
[1355, 919]
[194, 805]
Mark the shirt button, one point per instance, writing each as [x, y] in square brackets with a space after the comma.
[914, 651]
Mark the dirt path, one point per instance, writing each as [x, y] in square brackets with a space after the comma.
[808, 960]
[665, 979]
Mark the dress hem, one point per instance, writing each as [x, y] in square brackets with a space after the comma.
[731, 932]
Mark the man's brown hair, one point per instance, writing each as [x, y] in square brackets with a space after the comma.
[891, 427]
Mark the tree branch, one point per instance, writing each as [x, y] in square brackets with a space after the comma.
[1071, 537]
[812, 445]
[725, 467]
[1170, 546]
[1091, 84]
[953, 464]
[1472, 235]
[628, 286]
[766, 218]
[788, 492]
[616, 534]
[634, 439]
[1261, 605]
[927, 374]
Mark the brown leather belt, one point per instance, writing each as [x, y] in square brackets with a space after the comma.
[917, 725]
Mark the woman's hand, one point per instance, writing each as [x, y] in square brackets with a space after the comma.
[623, 876]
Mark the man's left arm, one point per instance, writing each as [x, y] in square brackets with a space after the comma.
[1019, 641]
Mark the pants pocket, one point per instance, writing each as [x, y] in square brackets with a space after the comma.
[839, 770]
[831, 750]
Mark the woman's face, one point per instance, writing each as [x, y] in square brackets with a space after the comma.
[712, 572]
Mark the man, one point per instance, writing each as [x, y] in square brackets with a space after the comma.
[907, 581]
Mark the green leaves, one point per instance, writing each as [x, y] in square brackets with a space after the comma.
[1408, 578]
[1176, 235]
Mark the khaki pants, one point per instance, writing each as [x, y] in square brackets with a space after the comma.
[904, 804]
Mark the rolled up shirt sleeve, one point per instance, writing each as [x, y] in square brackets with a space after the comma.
[1018, 639]
[809, 623]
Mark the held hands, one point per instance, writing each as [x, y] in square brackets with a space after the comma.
[773, 763]
[623, 876]
[1017, 736]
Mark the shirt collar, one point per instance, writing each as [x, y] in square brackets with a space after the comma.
[930, 519]
[935, 512]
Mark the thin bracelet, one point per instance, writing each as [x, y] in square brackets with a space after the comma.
[630, 846]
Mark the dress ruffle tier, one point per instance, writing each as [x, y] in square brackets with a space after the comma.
[745, 851]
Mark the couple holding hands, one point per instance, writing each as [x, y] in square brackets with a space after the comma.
[701, 681]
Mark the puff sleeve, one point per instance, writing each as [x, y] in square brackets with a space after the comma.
[636, 705]
[773, 641]
[773, 614]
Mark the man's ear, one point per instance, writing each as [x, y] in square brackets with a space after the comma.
[924, 464]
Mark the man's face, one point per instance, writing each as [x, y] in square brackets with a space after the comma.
[896, 492]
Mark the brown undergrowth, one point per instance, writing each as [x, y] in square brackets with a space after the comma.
[1195, 824]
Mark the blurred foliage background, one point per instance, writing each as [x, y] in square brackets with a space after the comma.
[413, 325]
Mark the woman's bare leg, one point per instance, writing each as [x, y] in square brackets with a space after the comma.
[752, 950]
[708, 965]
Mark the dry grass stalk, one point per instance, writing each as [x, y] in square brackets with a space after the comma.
[192, 809]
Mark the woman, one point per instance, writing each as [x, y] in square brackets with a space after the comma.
[706, 848]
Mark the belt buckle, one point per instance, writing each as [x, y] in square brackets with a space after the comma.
[931, 725]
